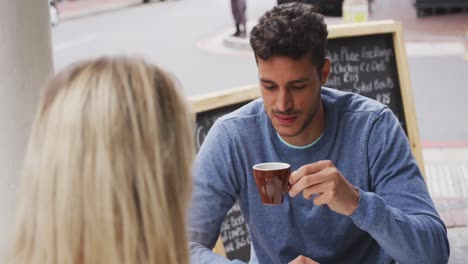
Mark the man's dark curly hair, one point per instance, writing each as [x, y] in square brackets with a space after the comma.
[292, 30]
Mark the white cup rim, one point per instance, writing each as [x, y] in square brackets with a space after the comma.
[268, 166]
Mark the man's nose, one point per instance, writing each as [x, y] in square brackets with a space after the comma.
[284, 100]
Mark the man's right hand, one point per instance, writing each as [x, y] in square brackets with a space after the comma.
[303, 260]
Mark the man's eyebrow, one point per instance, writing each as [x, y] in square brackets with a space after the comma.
[266, 80]
[303, 80]
[300, 80]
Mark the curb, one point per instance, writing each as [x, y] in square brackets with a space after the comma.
[237, 43]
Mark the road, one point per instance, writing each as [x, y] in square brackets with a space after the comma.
[167, 33]
[174, 34]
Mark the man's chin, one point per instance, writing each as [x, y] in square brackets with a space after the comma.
[285, 133]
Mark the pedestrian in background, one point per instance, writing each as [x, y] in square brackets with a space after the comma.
[239, 8]
[107, 172]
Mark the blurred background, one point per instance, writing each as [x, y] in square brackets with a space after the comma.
[192, 39]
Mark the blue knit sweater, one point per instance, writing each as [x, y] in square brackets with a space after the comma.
[395, 219]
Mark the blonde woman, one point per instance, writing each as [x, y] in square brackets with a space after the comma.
[107, 173]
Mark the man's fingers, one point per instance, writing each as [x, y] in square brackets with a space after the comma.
[321, 199]
[303, 260]
[309, 169]
[310, 182]
[293, 177]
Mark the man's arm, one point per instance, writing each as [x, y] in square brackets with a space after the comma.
[398, 212]
[215, 188]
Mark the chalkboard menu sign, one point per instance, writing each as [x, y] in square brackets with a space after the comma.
[205, 121]
[235, 235]
[368, 59]
[234, 232]
[366, 65]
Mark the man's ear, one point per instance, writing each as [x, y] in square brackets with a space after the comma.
[326, 69]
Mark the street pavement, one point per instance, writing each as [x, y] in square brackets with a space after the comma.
[430, 41]
[178, 34]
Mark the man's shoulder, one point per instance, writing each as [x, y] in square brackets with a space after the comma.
[351, 102]
[246, 112]
[241, 122]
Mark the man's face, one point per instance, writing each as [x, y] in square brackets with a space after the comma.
[291, 91]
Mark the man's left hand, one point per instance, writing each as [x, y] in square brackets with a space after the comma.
[323, 179]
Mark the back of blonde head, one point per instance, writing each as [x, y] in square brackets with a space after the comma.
[107, 173]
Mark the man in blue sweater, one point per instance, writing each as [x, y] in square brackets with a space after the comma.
[357, 193]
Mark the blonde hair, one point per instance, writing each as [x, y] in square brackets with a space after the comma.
[107, 172]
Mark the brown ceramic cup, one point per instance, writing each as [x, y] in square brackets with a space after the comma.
[272, 179]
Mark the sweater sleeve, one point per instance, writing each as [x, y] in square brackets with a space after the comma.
[398, 211]
[215, 189]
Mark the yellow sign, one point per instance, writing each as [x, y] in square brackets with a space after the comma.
[355, 11]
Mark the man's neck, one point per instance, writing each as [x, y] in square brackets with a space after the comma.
[311, 133]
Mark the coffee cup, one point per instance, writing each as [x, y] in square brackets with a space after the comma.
[272, 179]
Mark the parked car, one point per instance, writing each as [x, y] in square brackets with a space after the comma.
[431, 7]
[326, 7]
[329, 7]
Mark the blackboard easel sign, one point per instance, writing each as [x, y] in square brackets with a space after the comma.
[368, 59]
[234, 240]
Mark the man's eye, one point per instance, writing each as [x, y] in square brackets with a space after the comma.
[269, 87]
[299, 87]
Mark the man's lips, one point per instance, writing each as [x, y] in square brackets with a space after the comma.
[285, 119]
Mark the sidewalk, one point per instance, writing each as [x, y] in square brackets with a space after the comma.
[70, 9]
[447, 181]
[444, 27]
[444, 34]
